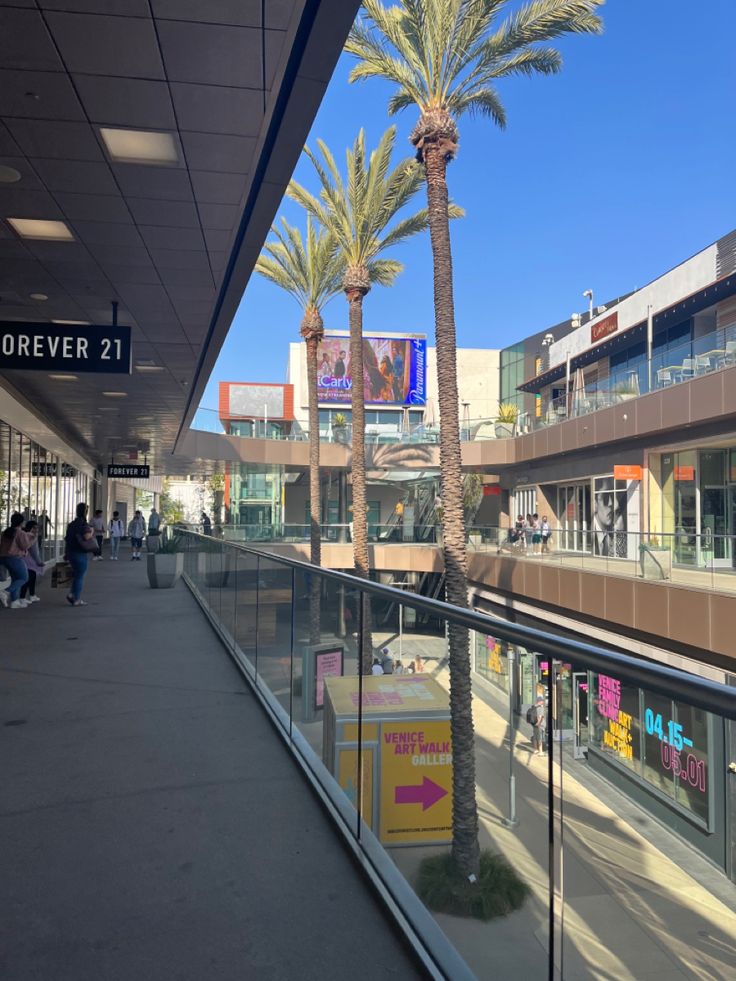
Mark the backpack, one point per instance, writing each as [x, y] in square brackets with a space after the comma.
[531, 715]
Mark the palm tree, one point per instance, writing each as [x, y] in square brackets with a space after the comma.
[445, 56]
[310, 271]
[360, 213]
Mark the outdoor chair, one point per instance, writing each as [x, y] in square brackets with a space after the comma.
[664, 377]
[730, 356]
[688, 368]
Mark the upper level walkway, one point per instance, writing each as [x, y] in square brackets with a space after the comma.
[152, 824]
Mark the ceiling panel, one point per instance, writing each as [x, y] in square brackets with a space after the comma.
[213, 188]
[53, 138]
[172, 239]
[25, 42]
[154, 238]
[165, 183]
[94, 207]
[126, 101]
[215, 109]
[224, 154]
[211, 54]
[100, 45]
[246, 13]
[38, 95]
[172, 214]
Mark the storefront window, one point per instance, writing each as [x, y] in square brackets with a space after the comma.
[609, 517]
[615, 718]
[666, 743]
[492, 661]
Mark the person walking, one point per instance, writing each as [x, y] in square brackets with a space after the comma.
[137, 531]
[154, 531]
[98, 526]
[546, 533]
[528, 534]
[536, 718]
[79, 542]
[34, 564]
[14, 544]
[117, 530]
[206, 524]
[536, 534]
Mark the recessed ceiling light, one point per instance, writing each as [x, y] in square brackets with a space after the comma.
[38, 296]
[78, 323]
[106, 408]
[51, 231]
[149, 367]
[9, 175]
[138, 146]
[64, 378]
[116, 395]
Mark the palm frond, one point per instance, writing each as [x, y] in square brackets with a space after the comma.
[310, 269]
[383, 272]
[445, 54]
[360, 209]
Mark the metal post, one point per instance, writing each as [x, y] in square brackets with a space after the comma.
[511, 821]
[650, 341]
[57, 492]
[567, 386]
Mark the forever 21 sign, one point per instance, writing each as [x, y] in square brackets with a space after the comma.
[58, 347]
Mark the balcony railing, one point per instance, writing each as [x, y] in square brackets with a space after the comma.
[604, 891]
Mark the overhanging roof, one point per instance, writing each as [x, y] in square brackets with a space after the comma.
[173, 244]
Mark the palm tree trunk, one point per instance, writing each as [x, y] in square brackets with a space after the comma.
[465, 847]
[315, 503]
[360, 507]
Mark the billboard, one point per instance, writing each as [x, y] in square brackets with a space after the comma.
[394, 370]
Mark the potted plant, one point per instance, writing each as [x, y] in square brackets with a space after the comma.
[166, 565]
[505, 425]
[340, 427]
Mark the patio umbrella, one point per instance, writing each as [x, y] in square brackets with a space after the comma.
[430, 416]
[578, 393]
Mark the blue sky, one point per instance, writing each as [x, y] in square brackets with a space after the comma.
[607, 175]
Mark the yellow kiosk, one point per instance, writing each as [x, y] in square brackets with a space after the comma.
[406, 772]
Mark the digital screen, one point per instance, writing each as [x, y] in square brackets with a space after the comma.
[394, 370]
[257, 400]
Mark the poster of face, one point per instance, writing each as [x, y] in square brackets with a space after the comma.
[609, 517]
[394, 370]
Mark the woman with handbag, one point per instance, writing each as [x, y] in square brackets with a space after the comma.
[14, 544]
[80, 543]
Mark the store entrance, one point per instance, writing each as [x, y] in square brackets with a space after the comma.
[715, 545]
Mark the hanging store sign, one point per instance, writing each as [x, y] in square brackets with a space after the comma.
[138, 471]
[49, 470]
[609, 325]
[627, 471]
[58, 347]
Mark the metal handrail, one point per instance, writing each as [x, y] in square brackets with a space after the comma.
[711, 696]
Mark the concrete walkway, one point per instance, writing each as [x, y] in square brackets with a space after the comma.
[152, 824]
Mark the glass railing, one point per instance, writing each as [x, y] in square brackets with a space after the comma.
[334, 532]
[679, 363]
[603, 821]
[706, 560]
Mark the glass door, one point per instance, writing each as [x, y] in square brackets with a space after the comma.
[715, 546]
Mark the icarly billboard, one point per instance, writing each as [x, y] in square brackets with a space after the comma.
[394, 370]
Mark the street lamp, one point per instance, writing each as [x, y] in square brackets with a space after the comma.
[589, 294]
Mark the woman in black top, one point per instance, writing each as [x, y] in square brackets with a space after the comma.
[79, 543]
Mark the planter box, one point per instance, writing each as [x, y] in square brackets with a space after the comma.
[504, 430]
[164, 570]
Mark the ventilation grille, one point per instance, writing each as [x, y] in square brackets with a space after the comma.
[726, 255]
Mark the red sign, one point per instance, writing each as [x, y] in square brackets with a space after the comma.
[491, 490]
[684, 473]
[609, 325]
[627, 472]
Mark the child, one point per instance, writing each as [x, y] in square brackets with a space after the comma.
[116, 533]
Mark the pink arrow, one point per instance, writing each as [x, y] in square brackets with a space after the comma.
[427, 794]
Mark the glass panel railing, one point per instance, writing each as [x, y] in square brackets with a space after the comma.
[599, 781]
[636, 898]
[274, 630]
[705, 561]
